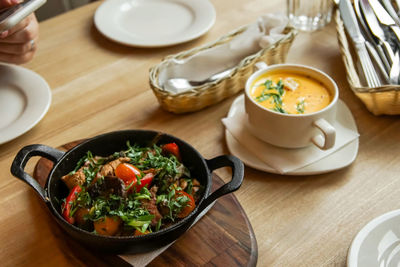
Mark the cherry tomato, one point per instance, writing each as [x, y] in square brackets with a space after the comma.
[127, 173]
[145, 181]
[172, 148]
[190, 205]
[68, 204]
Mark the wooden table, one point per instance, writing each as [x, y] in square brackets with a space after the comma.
[100, 86]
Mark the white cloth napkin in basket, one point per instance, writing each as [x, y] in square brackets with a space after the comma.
[267, 30]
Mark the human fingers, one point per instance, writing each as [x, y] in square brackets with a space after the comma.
[3, 5]
[20, 26]
[17, 59]
[7, 3]
[18, 48]
[26, 30]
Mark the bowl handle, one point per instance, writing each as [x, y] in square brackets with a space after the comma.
[23, 156]
[233, 185]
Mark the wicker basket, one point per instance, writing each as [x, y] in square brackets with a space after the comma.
[379, 100]
[214, 92]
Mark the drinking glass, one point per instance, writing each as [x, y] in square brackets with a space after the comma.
[309, 15]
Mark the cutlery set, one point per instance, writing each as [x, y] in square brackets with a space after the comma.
[374, 28]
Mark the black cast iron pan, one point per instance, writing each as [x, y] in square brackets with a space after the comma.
[107, 144]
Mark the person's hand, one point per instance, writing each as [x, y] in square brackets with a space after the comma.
[18, 44]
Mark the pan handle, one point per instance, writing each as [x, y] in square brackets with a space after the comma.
[23, 156]
[233, 185]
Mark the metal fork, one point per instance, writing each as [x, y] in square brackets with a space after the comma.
[369, 71]
[395, 69]
[384, 71]
[351, 24]
[370, 39]
[390, 9]
[376, 29]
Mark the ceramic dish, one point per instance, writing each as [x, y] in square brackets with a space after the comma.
[311, 129]
[377, 243]
[25, 98]
[154, 23]
[335, 161]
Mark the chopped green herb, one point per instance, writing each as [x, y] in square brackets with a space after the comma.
[276, 95]
[99, 197]
[300, 107]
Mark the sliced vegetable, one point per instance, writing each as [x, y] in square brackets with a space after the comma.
[190, 204]
[131, 192]
[145, 181]
[107, 226]
[69, 201]
[128, 173]
[138, 233]
[172, 148]
[79, 216]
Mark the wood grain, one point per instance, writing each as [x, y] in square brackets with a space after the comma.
[100, 86]
[223, 235]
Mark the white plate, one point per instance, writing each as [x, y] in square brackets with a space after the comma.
[335, 161]
[377, 243]
[25, 98]
[154, 23]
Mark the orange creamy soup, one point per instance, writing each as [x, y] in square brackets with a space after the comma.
[288, 92]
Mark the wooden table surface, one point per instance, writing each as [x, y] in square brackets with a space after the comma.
[100, 86]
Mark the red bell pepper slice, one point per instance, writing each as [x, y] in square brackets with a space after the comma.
[145, 181]
[73, 194]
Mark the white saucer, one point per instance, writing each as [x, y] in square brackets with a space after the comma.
[154, 23]
[335, 161]
[377, 243]
[25, 98]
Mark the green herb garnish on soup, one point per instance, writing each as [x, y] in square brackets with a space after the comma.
[291, 93]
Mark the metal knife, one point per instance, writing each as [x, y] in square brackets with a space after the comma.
[384, 17]
[398, 3]
[376, 29]
[371, 44]
[350, 22]
[390, 9]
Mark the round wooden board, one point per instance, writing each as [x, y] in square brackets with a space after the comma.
[222, 237]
